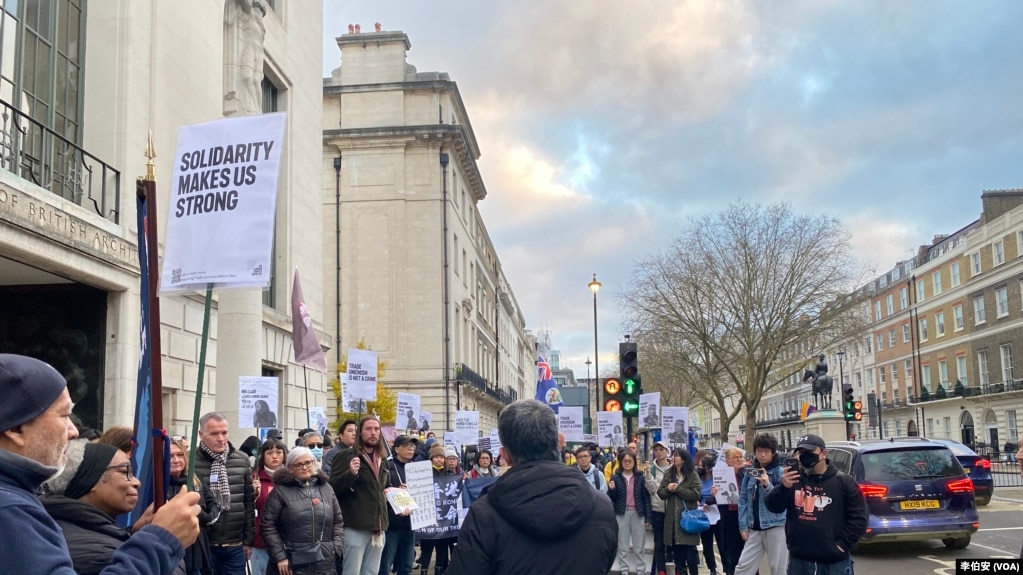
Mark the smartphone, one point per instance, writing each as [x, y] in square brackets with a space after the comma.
[792, 463]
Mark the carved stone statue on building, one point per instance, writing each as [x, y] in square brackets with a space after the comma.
[243, 56]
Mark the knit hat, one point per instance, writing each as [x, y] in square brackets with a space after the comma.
[86, 464]
[436, 450]
[29, 387]
[450, 452]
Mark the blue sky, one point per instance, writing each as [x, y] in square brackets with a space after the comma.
[605, 126]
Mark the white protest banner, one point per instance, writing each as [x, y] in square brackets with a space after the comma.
[609, 429]
[495, 442]
[425, 420]
[352, 404]
[419, 480]
[223, 198]
[650, 409]
[589, 438]
[318, 419]
[675, 425]
[408, 411]
[727, 484]
[362, 374]
[257, 401]
[467, 426]
[570, 422]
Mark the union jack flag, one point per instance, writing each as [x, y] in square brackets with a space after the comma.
[544, 370]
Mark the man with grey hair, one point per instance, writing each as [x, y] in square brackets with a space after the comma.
[540, 517]
[35, 433]
[226, 471]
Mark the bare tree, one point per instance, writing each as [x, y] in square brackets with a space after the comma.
[736, 292]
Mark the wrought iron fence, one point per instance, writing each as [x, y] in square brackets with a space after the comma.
[959, 390]
[40, 155]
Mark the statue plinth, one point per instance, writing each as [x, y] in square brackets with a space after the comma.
[829, 424]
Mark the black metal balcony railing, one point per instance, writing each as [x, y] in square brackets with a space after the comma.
[965, 391]
[36, 153]
[466, 375]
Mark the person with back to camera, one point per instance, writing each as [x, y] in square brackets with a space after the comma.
[540, 517]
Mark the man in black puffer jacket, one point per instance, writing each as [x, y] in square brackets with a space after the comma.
[226, 471]
[541, 517]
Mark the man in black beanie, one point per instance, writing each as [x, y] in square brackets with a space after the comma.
[35, 431]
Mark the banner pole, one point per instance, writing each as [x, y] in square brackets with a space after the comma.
[193, 443]
[305, 378]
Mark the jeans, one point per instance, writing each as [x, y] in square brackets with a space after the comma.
[399, 550]
[258, 560]
[801, 567]
[631, 530]
[362, 552]
[228, 560]
[769, 541]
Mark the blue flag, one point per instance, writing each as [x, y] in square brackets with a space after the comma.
[142, 452]
[546, 390]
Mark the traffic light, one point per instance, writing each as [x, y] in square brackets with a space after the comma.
[848, 402]
[857, 408]
[612, 394]
[629, 371]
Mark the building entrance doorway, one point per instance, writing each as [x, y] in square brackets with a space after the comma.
[65, 326]
[966, 428]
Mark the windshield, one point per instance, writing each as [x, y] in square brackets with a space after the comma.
[909, 463]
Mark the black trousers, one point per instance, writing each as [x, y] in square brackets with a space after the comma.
[707, 539]
[657, 524]
[445, 548]
[685, 557]
[730, 543]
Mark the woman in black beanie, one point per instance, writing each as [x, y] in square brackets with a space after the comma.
[95, 486]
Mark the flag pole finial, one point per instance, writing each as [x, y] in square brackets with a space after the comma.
[150, 165]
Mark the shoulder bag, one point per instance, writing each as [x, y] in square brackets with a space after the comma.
[693, 521]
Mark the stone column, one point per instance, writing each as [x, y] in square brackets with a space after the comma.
[240, 311]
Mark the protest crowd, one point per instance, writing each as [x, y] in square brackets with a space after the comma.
[358, 504]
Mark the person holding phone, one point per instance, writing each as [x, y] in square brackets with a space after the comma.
[819, 535]
[763, 530]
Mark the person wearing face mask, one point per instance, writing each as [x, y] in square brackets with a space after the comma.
[825, 512]
[314, 442]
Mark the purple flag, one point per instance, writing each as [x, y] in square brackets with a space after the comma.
[307, 348]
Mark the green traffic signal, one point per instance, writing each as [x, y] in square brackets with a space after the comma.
[630, 407]
[630, 386]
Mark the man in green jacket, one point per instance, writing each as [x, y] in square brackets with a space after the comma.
[359, 477]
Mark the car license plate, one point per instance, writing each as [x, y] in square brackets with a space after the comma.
[921, 504]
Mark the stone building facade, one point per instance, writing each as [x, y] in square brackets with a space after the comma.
[75, 127]
[420, 280]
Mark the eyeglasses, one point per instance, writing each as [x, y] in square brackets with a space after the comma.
[312, 445]
[124, 468]
[306, 463]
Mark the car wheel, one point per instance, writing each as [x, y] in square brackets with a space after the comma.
[960, 543]
[983, 500]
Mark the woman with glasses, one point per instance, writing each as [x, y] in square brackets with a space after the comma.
[269, 459]
[197, 556]
[95, 486]
[301, 521]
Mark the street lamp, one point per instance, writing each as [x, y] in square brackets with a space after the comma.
[595, 287]
[588, 363]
